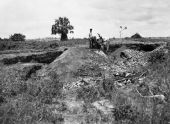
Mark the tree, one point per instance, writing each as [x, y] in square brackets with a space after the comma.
[62, 26]
[17, 37]
[137, 35]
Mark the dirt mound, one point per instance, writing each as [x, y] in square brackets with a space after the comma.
[72, 60]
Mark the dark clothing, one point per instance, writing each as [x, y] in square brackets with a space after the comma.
[92, 42]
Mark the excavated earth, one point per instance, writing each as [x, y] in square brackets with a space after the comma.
[93, 84]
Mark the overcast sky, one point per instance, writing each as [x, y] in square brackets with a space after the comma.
[35, 17]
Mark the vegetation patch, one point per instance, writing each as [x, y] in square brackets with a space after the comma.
[125, 112]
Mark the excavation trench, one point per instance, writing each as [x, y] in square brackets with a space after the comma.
[30, 70]
[143, 47]
[44, 58]
[139, 47]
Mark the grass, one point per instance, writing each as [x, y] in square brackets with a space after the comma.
[27, 101]
[22, 46]
[51, 44]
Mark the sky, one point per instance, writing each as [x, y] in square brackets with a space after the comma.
[34, 18]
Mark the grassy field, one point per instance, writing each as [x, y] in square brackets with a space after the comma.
[37, 45]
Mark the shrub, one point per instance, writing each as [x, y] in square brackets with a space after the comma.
[137, 35]
[17, 37]
[127, 38]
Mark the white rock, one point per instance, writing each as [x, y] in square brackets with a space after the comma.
[104, 106]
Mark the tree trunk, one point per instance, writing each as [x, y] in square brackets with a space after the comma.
[64, 37]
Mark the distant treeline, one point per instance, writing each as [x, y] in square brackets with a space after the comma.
[15, 37]
[4, 39]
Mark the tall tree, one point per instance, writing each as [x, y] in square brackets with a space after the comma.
[62, 26]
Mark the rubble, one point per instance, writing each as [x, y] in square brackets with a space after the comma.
[104, 105]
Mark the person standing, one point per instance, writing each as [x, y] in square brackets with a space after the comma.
[90, 39]
[90, 34]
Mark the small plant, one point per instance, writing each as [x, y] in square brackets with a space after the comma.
[121, 30]
[17, 37]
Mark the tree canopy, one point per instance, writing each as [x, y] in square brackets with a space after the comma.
[62, 26]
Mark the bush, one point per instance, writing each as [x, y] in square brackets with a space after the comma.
[17, 37]
[127, 38]
[135, 36]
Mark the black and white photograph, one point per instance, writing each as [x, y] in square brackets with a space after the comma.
[84, 62]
